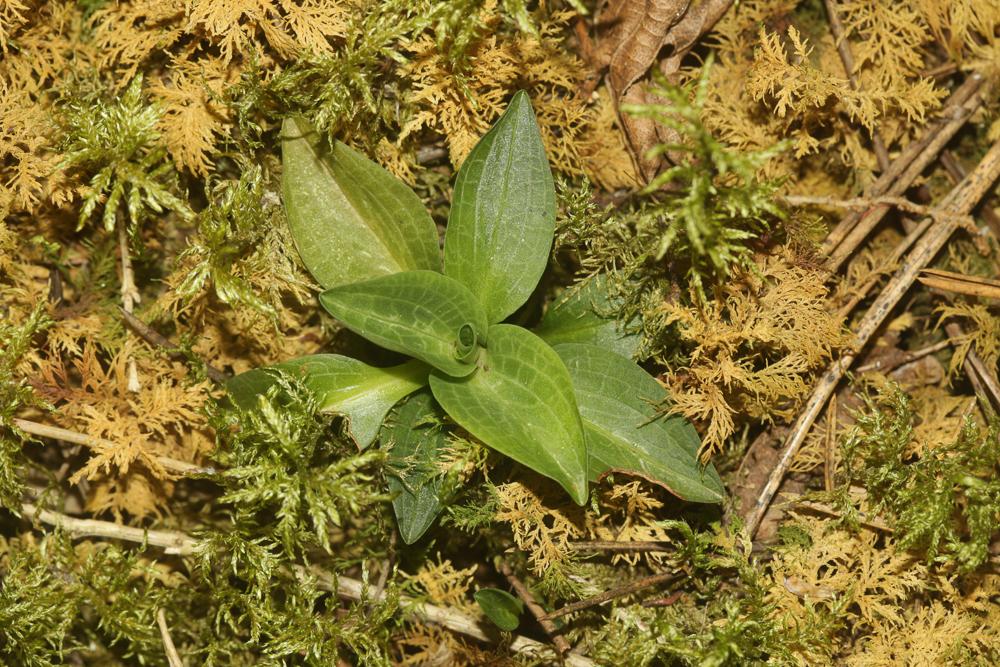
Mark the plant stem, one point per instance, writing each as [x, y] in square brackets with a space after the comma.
[172, 542]
[621, 591]
[156, 339]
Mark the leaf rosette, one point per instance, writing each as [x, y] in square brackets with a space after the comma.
[566, 402]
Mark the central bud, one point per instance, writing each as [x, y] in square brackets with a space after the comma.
[466, 343]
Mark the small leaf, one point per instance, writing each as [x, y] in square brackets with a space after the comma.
[520, 402]
[420, 313]
[351, 219]
[578, 319]
[362, 393]
[617, 402]
[503, 214]
[416, 443]
[500, 607]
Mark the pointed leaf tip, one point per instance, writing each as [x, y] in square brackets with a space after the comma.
[350, 219]
[626, 433]
[503, 214]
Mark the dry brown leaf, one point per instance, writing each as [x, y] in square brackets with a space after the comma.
[641, 31]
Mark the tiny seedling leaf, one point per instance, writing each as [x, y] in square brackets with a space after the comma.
[362, 393]
[520, 402]
[351, 219]
[416, 443]
[617, 402]
[579, 319]
[502, 608]
[421, 313]
[503, 214]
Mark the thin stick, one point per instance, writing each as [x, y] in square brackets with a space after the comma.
[874, 522]
[983, 381]
[906, 359]
[129, 293]
[174, 543]
[870, 219]
[912, 151]
[621, 591]
[99, 444]
[831, 441]
[901, 203]
[844, 49]
[345, 587]
[156, 339]
[536, 610]
[173, 657]
[608, 545]
[897, 254]
[960, 200]
[983, 378]
[957, 173]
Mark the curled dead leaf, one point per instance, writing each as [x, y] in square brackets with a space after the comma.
[637, 34]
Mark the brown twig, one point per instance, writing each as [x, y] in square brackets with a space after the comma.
[961, 200]
[905, 359]
[99, 444]
[940, 71]
[608, 545]
[861, 203]
[946, 127]
[897, 254]
[954, 119]
[844, 49]
[874, 522]
[173, 657]
[156, 339]
[621, 591]
[983, 380]
[830, 445]
[536, 610]
[958, 283]
[957, 173]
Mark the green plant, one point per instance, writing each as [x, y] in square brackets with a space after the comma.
[554, 401]
[502, 608]
[120, 144]
[699, 220]
[945, 500]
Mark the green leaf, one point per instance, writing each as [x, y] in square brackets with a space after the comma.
[416, 443]
[578, 319]
[500, 607]
[617, 402]
[362, 393]
[351, 219]
[420, 313]
[503, 214]
[520, 402]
